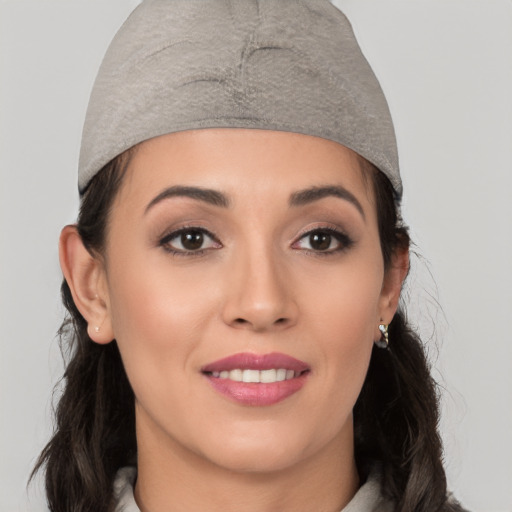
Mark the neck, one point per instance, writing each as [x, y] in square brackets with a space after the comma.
[171, 477]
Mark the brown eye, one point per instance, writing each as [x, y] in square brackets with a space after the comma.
[320, 241]
[192, 240]
[189, 240]
[328, 241]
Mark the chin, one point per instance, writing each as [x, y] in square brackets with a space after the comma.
[267, 451]
[250, 459]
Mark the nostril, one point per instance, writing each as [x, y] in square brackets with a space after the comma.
[260, 324]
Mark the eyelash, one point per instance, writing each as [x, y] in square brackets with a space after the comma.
[344, 241]
[165, 241]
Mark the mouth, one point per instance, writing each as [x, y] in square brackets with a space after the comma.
[257, 379]
[257, 376]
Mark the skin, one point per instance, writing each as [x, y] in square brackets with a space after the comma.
[259, 286]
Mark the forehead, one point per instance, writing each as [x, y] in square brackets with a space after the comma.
[241, 162]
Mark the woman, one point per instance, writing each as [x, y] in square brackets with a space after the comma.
[237, 260]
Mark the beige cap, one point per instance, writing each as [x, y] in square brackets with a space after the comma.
[289, 65]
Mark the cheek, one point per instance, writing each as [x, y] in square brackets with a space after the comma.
[150, 297]
[343, 301]
[156, 316]
[343, 319]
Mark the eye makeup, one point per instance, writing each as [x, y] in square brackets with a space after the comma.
[323, 241]
[189, 241]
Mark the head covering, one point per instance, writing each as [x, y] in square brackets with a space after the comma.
[289, 65]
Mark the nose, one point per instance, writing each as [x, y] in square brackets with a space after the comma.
[259, 294]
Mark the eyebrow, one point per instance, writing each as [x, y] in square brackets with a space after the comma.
[202, 194]
[309, 195]
[216, 198]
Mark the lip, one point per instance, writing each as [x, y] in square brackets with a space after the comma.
[257, 394]
[246, 360]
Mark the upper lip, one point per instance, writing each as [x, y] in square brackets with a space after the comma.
[249, 361]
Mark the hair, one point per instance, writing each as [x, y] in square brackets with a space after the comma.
[396, 415]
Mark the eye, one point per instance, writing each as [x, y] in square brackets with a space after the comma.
[324, 240]
[189, 240]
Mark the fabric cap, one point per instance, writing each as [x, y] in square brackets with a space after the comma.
[289, 65]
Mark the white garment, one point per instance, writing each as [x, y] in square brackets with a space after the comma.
[367, 499]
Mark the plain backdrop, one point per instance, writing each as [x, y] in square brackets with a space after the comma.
[446, 68]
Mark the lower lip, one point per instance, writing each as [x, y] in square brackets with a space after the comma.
[257, 394]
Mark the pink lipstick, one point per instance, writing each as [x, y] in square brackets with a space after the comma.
[257, 379]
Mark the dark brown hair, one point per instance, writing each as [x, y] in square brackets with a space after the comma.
[396, 414]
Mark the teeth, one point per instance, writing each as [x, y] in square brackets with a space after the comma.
[281, 374]
[263, 376]
[237, 375]
[250, 376]
[268, 375]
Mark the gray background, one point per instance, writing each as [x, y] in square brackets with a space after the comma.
[446, 67]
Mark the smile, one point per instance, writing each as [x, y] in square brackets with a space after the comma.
[255, 379]
[261, 376]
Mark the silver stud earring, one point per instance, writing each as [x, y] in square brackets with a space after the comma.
[384, 340]
[97, 329]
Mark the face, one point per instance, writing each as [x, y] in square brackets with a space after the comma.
[245, 255]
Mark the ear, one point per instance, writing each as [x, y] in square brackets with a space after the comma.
[86, 279]
[391, 287]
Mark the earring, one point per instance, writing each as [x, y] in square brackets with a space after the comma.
[97, 329]
[384, 340]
